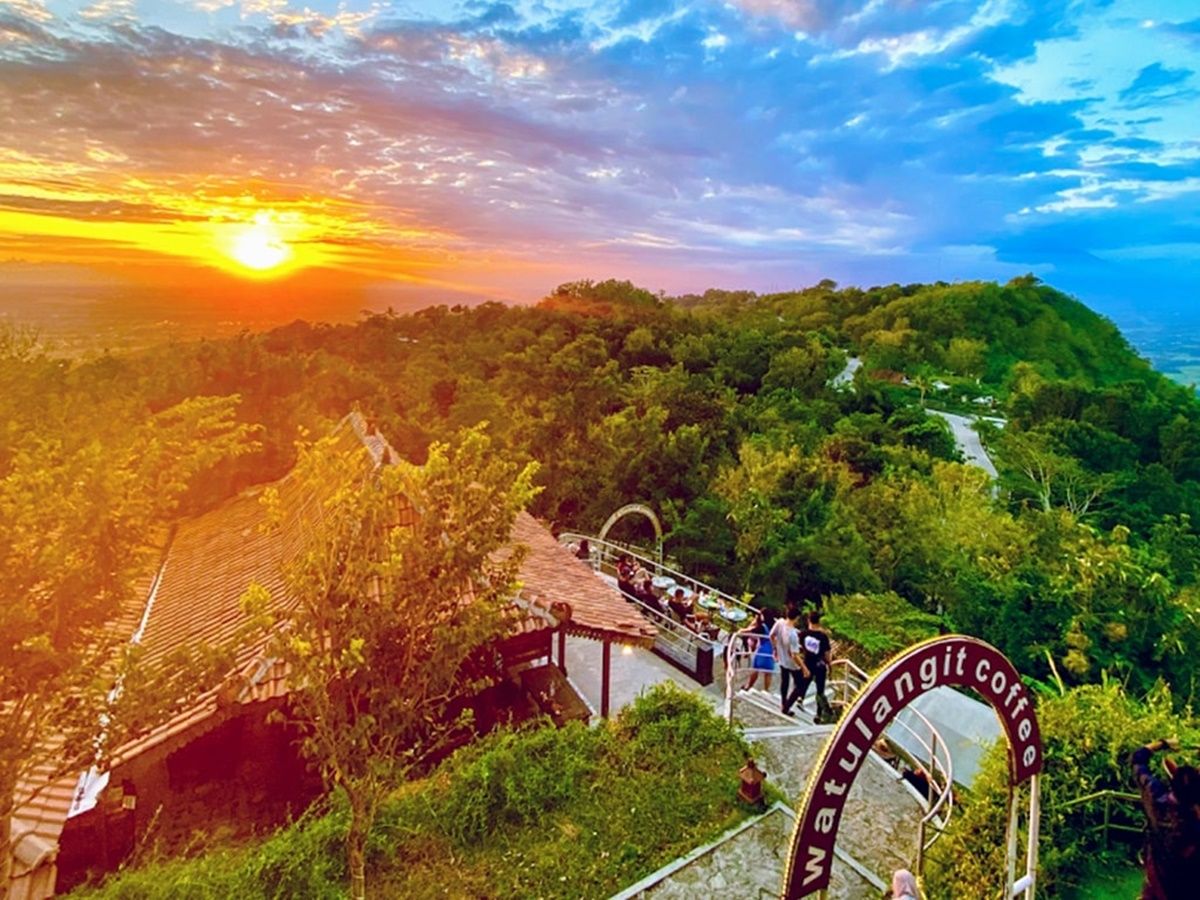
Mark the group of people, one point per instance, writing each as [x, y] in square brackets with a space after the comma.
[798, 646]
[679, 604]
[633, 579]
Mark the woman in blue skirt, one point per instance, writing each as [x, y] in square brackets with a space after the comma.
[763, 661]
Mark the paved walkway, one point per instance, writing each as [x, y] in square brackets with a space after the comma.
[634, 670]
[749, 865]
[845, 378]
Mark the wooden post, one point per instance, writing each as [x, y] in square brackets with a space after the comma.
[562, 649]
[605, 671]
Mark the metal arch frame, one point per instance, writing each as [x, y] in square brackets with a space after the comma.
[824, 798]
[644, 510]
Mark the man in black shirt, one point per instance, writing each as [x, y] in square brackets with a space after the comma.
[814, 643]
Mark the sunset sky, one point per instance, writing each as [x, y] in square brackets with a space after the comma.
[212, 148]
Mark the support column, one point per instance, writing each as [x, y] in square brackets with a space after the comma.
[605, 671]
[1010, 868]
[562, 649]
[1035, 817]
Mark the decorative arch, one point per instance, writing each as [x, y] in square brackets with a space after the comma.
[955, 660]
[641, 509]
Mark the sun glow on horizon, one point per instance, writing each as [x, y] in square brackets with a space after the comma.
[259, 246]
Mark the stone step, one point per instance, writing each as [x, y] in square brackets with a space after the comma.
[770, 702]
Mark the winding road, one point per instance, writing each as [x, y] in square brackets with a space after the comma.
[967, 439]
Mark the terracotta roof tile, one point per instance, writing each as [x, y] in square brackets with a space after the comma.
[598, 610]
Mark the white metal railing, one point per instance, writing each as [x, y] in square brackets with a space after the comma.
[605, 553]
[939, 771]
[845, 681]
[677, 640]
[678, 631]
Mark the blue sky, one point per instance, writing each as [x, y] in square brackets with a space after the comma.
[500, 148]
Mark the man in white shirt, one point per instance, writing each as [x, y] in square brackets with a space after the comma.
[785, 645]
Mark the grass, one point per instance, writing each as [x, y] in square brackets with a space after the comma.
[1123, 883]
[541, 812]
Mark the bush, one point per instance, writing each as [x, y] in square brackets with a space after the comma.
[668, 723]
[538, 812]
[878, 625]
[304, 859]
[1088, 734]
[513, 777]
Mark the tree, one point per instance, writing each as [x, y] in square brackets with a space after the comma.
[1042, 470]
[804, 369]
[77, 508]
[966, 356]
[931, 537]
[1126, 616]
[399, 582]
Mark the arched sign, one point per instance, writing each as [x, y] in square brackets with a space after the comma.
[950, 660]
[643, 510]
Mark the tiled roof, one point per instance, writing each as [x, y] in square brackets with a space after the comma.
[42, 801]
[598, 610]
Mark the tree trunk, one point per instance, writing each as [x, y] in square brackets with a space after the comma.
[356, 853]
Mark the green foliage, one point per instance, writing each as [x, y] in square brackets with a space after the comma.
[1088, 734]
[81, 497]
[878, 625]
[513, 778]
[717, 411]
[534, 813]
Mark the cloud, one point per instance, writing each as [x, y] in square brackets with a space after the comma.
[631, 12]
[681, 143]
[108, 9]
[1151, 82]
[803, 15]
[32, 10]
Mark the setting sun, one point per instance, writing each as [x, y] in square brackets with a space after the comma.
[260, 245]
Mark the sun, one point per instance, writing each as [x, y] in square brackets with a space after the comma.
[259, 245]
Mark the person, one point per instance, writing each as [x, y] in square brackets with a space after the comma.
[904, 886]
[763, 661]
[584, 550]
[643, 588]
[625, 575]
[816, 646]
[919, 779]
[1172, 867]
[680, 606]
[785, 647]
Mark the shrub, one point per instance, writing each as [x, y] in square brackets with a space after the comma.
[878, 625]
[667, 723]
[1088, 734]
[513, 777]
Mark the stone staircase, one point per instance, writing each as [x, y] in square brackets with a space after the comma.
[876, 836]
[757, 709]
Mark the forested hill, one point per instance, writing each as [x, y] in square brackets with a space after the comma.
[725, 413]
[908, 326]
